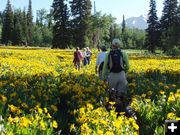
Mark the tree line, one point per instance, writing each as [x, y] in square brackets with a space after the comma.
[164, 33]
[61, 28]
[71, 23]
[17, 26]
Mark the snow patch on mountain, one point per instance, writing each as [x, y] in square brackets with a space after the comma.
[137, 22]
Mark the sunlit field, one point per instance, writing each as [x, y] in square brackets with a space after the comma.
[42, 93]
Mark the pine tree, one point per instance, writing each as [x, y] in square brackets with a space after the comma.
[1, 17]
[61, 35]
[178, 25]
[24, 27]
[111, 32]
[29, 22]
[124, 33]
[7, 30]
[123, 25]
[81, 12]
[168, 25]
[17, 31]
[152, 32]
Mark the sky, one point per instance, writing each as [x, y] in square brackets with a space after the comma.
[117, 8]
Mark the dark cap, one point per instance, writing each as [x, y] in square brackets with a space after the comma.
[103, 48]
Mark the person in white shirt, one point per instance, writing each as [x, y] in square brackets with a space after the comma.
[100, 62]
[84, 55]
[89, 54]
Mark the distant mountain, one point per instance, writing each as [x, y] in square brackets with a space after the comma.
[137, 22]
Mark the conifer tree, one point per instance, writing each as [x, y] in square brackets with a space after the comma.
[111, 32]
[168, 25]
[178, 25]
[124, 33]
[152, 32]
[7, 30]
[123, 25]
[61, 35]
[17, 31]
[1, 17]
[29, 22]
[24, 26]
[81, 12]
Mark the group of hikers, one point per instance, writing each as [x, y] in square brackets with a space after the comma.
[111, 67]
[84, 56]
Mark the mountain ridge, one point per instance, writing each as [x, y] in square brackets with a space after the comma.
[139, 22]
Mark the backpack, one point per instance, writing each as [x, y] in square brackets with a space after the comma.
[89, 54]
[101, 66]
[115, 61]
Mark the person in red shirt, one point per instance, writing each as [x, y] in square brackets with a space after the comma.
[77, 59]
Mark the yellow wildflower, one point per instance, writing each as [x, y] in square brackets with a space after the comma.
[13, 108]
[42, 125]
[10, 119]
[40, 110]
[143, 95]
[166, 87]
[49, 116]
[162, 92]
[171, 99]
[54, 124]
[10, 133]
[90, 106]
[112, 103]
[72, 127]
[100, 132]
[148, 100]
[161, 84]
[135, 126]
[16, 119]
[3, 98]
[109, 133]
[171, 116]
[45, 110]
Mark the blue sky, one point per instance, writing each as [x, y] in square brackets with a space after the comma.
[130, 8]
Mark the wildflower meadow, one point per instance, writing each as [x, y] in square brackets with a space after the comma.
[41, 93]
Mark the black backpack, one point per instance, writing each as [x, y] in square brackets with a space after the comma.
[101, 66]
[115, 61]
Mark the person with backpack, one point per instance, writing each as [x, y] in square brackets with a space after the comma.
[100, 62]
[77, 58]
[88, 55]
[116, 64]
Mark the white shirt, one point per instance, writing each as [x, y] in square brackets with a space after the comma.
[100, 58]
[84, 54]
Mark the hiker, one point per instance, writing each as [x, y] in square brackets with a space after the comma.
[88, 55]
[84, 55]
[100, 62]
[77, 58]
[116, 64]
